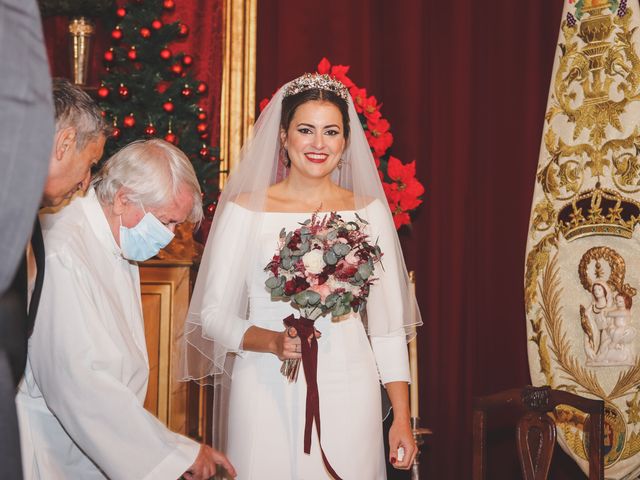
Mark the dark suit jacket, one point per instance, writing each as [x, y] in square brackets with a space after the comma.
[16, 323]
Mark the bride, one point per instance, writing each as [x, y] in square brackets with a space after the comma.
[308, 154]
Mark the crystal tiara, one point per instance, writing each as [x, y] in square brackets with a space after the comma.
[315, 80]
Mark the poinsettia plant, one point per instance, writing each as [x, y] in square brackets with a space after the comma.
[402, 188]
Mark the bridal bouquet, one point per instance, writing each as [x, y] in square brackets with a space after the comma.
[325, 265]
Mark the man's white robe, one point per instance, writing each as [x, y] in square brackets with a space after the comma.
[81, 402]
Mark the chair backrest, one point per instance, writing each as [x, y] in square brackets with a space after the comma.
[536, 430]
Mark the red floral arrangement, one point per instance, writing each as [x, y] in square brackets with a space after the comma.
[402, 188]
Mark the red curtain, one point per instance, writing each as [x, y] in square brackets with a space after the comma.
[204, 43]
[464, 85]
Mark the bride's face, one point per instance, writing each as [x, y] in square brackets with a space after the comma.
[315, 139]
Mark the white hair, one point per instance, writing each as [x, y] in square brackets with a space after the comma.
[152, 172]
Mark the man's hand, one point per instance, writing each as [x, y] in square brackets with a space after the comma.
[206, 464]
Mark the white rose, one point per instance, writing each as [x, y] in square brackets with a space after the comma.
[313, 261]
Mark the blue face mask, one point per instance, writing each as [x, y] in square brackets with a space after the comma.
[145, 240]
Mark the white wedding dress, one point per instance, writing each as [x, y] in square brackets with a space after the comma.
[267, 414]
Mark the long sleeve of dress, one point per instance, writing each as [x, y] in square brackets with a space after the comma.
[88, 383]
[385, 305]
[215, 294]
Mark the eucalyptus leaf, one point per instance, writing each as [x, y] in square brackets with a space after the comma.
[272, 282]
[331, 300]
[313, 298]
[301, 299]
[286, 263]
[365, 270]
[330, 258]
[277, 293]
[341, 249]
[332, 235]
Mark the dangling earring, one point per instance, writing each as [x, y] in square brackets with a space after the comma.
[284, 157]
[340, 163]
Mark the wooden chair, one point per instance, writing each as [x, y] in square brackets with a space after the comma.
[536, 430]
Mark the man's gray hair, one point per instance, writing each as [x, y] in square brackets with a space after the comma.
[74, 108]
[152, 172]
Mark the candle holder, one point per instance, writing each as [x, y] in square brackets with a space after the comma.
[418, 433]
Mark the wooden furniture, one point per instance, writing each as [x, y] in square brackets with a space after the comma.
[166, 287]
[536, 430]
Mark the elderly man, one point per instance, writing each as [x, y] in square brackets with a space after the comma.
[81, 403]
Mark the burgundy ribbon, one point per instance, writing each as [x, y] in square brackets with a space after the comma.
[304, 328]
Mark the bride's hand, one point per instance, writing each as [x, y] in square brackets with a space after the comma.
[287, 344]
[401, 436]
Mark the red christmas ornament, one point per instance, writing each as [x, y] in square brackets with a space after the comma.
[103, 114]
[211, 209]
[108, 55]
[204, 151]
[165, 54]
[171, 137]
[132, 54]
[115, 133]
[156, 24]
[202, 88]
[145, 32]
[121, 12]
[168, 106]
[103, 92]
[150, 130]
[186, 92]
[161, 87]
[168, 4]
[129, 121]
[123, 91]
[176, 68]
[183, 30]
[202, 127]
[187, 60]
[202, 115]
[116, 34]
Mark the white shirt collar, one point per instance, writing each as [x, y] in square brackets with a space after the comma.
[98, 222]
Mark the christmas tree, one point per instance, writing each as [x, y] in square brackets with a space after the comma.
[148, 90]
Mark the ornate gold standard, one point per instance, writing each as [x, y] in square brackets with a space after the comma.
[582, 267]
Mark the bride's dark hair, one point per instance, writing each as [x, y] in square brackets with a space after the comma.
[291, 103]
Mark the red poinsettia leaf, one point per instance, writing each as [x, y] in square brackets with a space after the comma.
[414, 187]
[401, 219]
[378, 126]
[324, 66]
[400, 172]
[359, 95]
[263, 103]
[373, 116]
[340, 73]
